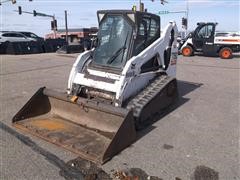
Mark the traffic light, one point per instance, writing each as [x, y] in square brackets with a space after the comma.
[184, 22]
[34, 13]
[19, 10]
[54, 25]
[134, 8]
[14, 1]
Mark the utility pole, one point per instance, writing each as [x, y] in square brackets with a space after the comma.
[66, 25]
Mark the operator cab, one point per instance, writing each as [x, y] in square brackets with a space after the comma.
[203, 36]
[123, 34]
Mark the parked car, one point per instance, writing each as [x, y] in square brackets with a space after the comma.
[14, 37]
[32, 35]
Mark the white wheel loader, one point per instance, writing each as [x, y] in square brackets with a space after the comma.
[113, 90]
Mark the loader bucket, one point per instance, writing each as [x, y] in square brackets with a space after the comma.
[95, 131]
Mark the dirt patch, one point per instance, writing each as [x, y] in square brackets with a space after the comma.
[167, 146]
[87, 170]
[133, 174]
[204, 173]
[80, 169]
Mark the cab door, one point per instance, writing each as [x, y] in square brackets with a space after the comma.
[148, 30]
[204, 37]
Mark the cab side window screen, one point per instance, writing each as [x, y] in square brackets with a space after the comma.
[147, 33]
[141, 30]
[153, 29]
[205, 32]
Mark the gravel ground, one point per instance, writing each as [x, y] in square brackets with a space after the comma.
[199, 137]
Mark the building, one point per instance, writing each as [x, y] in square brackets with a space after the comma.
[74, 35]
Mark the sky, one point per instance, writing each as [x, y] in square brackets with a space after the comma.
[82, 13]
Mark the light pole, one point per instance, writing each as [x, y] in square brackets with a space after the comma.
[66, 25]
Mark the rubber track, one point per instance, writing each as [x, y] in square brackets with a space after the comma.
[149, 93]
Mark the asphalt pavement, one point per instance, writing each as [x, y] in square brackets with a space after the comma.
[199, 136]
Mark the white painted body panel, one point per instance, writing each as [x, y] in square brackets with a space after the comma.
[227, 40]
[130, 81]
[92, 83]
[188, 41]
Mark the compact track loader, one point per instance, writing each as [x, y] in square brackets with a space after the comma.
[113, 90]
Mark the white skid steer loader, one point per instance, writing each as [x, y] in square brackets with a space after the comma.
[113, 90]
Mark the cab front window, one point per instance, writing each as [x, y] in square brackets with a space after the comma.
[113, 42]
